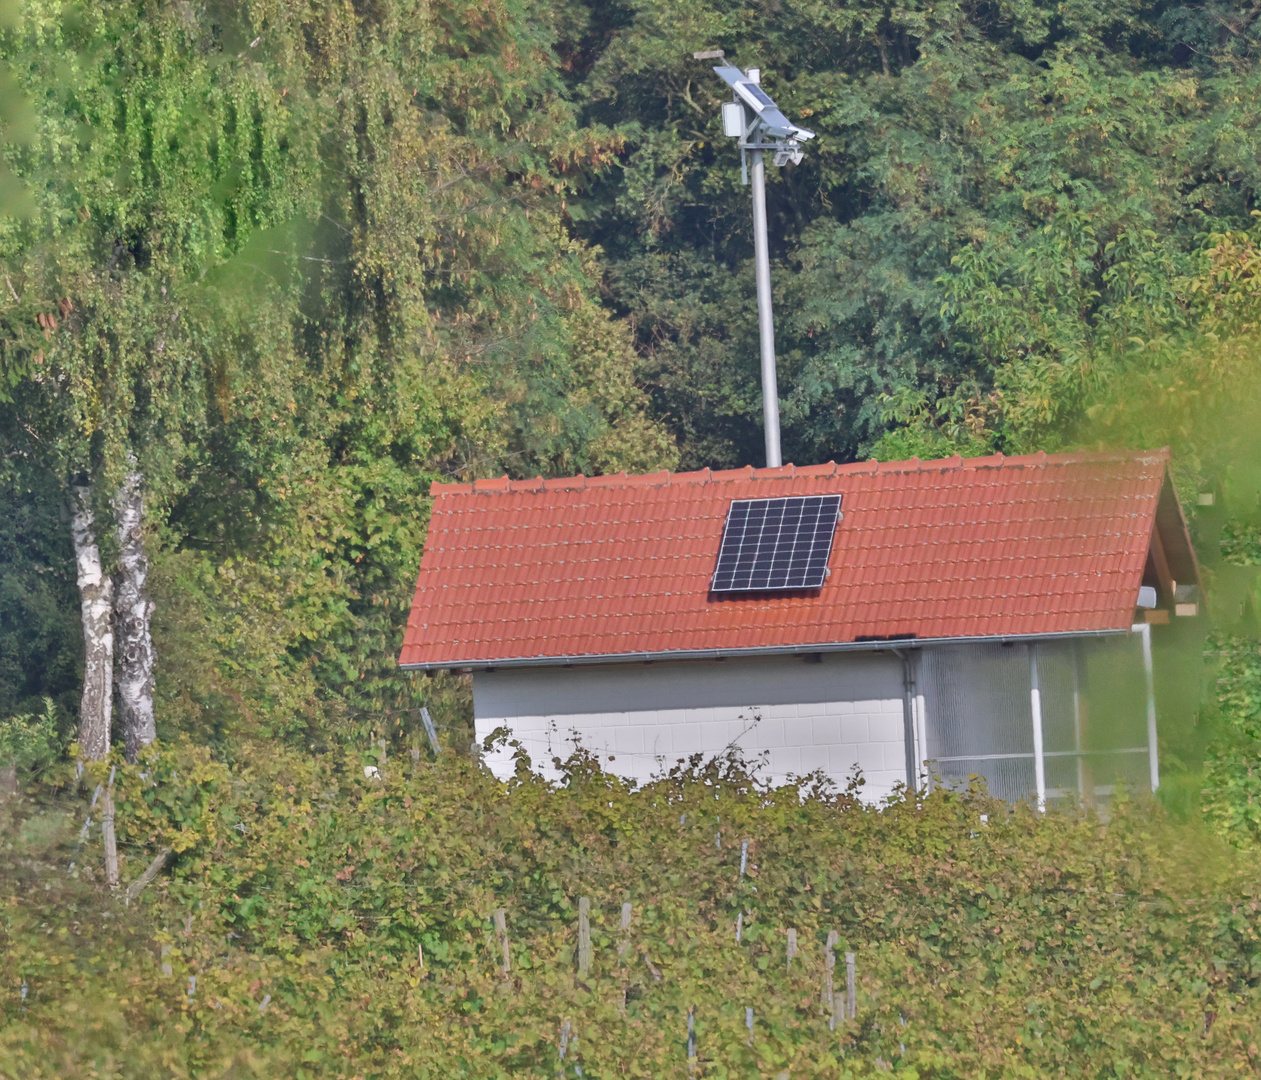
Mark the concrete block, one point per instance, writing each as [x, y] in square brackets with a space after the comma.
[815, 757]
[647, 718]
[798, 731]
[854, 729]
[825, 730]
[841, 762]
[886, 727]
[628, 740]
[714, 734]
[870, 757]
[653, 739]
[765, 734]
[686, 739]
[784, 761]
[639, 767]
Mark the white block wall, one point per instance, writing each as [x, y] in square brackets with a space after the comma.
[641, 719]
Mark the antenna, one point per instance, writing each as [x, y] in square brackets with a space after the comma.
[759, 125]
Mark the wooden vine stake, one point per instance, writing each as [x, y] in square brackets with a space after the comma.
[107, 833]
[501, 928]
[691, 1038]
[851, 987]
[829, 998]
[792, 947]
[151, 871]
[584, 935]
[431, 732]
[564, 1045]
[622, 945]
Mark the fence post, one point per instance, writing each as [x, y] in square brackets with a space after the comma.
[624, 944]
[107, 833]
[431, 732]
[501, 928]
[829, 978]
[584, 935]
[851, 987]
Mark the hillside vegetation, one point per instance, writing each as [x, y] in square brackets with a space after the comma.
[289, 937]
[269, 270]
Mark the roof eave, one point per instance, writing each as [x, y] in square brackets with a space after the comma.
[888, 644]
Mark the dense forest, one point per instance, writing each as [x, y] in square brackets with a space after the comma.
[270, 269]
[283, 266]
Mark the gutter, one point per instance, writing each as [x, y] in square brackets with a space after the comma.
[890, 645]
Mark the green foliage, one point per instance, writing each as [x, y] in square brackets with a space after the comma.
[1232, 773]
[1241, 545]
[40, 635]
[304, 260]
[299, 261]
[1006, 945]
[999, 200]
[31, 742]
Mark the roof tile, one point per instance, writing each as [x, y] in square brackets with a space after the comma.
[620, 565]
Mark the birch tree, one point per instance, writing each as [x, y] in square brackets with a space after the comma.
[286, 264]
[96, 590]
[151, 157]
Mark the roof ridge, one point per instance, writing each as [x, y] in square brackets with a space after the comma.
[1042, 459]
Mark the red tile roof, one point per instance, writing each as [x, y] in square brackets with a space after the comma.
[619, 566]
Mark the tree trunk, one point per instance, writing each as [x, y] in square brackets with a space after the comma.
[96, 598]
[134, 611]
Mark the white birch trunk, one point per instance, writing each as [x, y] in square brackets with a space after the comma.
[96, 599]
[134, 612]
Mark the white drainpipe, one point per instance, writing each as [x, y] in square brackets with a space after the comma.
[1035, 703]
[1153, 752]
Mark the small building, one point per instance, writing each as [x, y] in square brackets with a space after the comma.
[987, 616]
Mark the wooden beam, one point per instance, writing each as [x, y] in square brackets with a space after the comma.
[1163, 574]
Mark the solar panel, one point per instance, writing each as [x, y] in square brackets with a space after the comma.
[771, 544]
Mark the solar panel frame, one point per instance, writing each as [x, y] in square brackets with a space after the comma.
[777, 544]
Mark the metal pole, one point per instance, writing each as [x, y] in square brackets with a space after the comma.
[921, 725]
[1035, 702]
[765, 319]
[1077, 739]
[1153, 755]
